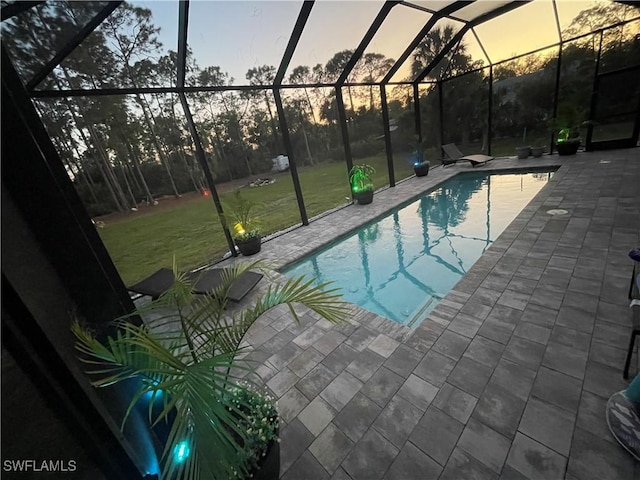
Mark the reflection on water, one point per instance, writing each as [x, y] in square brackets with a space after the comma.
[400, 266]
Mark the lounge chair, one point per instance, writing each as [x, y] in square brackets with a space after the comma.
[203, 282]
[455, 155]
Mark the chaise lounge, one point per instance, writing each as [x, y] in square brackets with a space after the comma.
[204, 282]
[455, 155]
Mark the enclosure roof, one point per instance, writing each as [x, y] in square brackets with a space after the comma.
[292, 38]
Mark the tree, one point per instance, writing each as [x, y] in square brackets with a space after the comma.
[302, 75]
[460, 94]
[334, 68]
[602, 15]
[373, 66]
[265, 75]
[429, 47]
[133, 36]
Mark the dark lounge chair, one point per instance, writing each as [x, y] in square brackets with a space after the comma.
[203, 282]
[455, 155]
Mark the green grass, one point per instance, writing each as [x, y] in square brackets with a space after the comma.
[191, 232]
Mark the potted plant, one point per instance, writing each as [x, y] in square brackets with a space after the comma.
[187, 358]
[523, 152]
[567, 126]
[360, 179]
[420, 164]
[537, 152]
[244, 228]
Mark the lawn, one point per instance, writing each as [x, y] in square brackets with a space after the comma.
[142, 242]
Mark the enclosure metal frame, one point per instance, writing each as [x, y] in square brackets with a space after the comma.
[447, 12]
[108, 275]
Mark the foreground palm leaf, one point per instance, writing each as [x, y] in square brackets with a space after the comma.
[185, 355]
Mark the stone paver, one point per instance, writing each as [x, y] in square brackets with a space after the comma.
[485, 445]
[549, 425]
[470, 376]
[418, 392]
[558, 389]
[403, 360]
[500, 409]
[382, 386]
[507, 378]
[397, 420]
[354, 419]
[593, 458]
[317, 415]
[341, 390]
[365, 365]
[534, 460]
[331, 447]
[370, 458]
[434, 368]
[412, 463]
[437, 434]
[463, 465]
[565, 359]
[455, 402]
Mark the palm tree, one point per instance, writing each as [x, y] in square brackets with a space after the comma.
[186, 355]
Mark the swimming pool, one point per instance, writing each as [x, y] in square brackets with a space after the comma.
[401, 265]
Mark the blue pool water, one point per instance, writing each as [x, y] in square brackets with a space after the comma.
[402, 265]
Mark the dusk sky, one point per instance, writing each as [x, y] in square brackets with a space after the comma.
[238, 35]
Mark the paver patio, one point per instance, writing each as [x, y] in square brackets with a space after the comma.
[507, 378]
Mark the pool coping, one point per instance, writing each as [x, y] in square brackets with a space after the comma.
[324, 232]
[359, 226]
[384, 201]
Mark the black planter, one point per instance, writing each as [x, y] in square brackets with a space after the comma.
[421, 169]
[269, 465]
[523, 152]
[568, 147]
[364, 197]
[250, 246]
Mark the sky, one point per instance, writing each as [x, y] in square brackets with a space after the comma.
[239, 35]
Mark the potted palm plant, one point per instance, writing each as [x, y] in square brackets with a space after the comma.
[186, 359]
[567, 124]
[420, 164]
[361, 181]
[244, 228]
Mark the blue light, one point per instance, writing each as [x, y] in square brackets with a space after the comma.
[181, 451]
[149, 395]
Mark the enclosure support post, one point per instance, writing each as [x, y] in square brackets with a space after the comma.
[387, 135]
[594, 89]
[342, 117]
[72, 44]
[207, 171]
[556, 93]
[490, 111]
[440, 115]
[416, 110]
[292, 161]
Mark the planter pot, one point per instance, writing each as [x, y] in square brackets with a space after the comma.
[364, 197]
[421, 169]
[537, 151]
[523, 152]
[567, 148]
[249, 247]
[269, 465]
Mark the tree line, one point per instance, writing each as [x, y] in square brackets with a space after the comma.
[121, 151]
